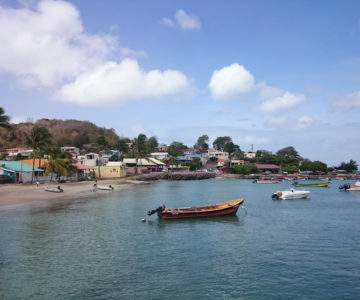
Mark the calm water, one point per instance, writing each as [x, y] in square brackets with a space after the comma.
[99, 249]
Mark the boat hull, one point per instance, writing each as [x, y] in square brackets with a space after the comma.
[325, 184]
[221, 209]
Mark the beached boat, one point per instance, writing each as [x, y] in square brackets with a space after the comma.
[54, 190]
[290, 194]
[348, 187]
[105, 188]
[314, 184]
[219, 209]
[265, 180]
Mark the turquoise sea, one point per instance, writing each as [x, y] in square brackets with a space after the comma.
[98, 248]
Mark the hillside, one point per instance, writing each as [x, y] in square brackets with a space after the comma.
[81, 134]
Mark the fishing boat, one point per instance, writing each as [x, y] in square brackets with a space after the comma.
[219, 209]
[348, 187]
[105, 188]
[314, 184]
[265, 180]
[290, 194]
[54, 190]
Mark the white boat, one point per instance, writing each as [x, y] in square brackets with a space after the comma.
[290, 194]
[348, 187]
[54, 190]
[265, 180]
[105, 188]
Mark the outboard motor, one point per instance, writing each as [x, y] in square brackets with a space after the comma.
[156, 210]
[344, 186]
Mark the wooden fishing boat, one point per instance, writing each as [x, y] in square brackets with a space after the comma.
[219, 209]
[314, 184]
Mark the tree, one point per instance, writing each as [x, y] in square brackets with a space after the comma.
[245, 169]
[202, 142]
[123, 145]
[60, 163]
[221, 141]
[176, 149]
[4, 119]
[38, 139]
[151, 144]
[313, 166]
[139, 148]
[103, 142]
[288, 152]
[350, 166]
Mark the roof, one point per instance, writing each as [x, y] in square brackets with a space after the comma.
[84, 167]
[17, 166]
[114, 164]
[267, 166]
[143, 161]
[43, 162]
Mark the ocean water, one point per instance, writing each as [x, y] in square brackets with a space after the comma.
[98, 248]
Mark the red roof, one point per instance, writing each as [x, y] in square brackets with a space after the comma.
[267, 166]
[221, 160]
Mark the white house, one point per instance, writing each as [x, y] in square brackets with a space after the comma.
[218, 154]
[159, 155]
[250, 155]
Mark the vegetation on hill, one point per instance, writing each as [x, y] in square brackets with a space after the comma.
[82, 134]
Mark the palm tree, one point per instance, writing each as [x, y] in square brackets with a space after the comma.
[140, 148]
[4, 120]
[38, 139]
[60, 163]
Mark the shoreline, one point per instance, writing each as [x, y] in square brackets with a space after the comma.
[15, 195]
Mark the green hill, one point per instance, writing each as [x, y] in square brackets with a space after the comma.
[81, 134]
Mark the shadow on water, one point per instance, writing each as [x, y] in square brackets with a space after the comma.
[194, 221]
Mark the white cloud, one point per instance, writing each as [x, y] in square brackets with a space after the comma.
[45, 45]
[345, 102]
[230, 82]
[167, 22]
[291, 123]
[118, 83]
[187, 21]
[276, 100]
[182, 20]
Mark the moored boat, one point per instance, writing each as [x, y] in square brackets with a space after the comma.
[219, 209]
[105, 188]
[265, 180]
[290, 194]
[348, 187]
[314, 184]
[54, 190]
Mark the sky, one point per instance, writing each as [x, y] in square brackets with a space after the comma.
[269, 74]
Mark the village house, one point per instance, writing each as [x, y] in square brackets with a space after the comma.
[143, 165]
[13, 153]
[218, 154]
[18, 171]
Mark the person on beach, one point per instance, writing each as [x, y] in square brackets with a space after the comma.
[37, 182]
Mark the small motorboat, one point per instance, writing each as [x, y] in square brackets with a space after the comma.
[105, 188]
[314, 184]
[266, 180]
[290, 194]
[348, 187]
[54, 190]
[219, 209]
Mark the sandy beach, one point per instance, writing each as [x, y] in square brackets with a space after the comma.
[17, 194]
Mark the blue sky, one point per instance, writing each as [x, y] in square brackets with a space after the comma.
[267, 73]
